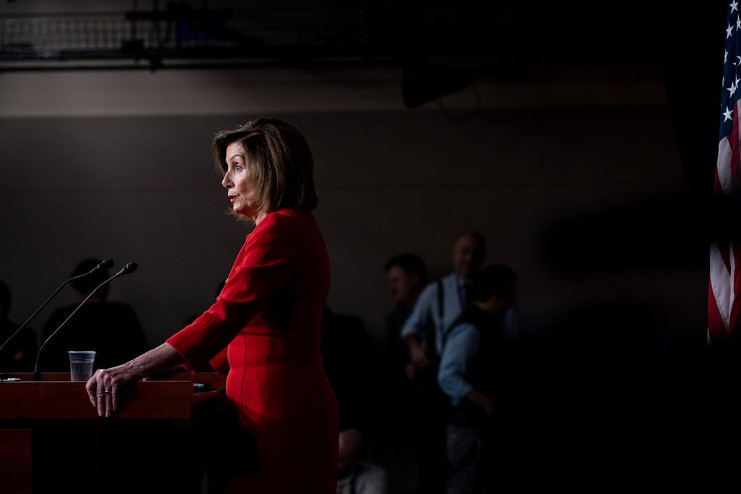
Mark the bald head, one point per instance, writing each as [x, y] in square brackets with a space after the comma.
[469, 252]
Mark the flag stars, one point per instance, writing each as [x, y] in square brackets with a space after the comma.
[728, 115]
[733, 6]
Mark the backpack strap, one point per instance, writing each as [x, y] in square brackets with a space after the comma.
[468, 315]
[449, 329]
[431, 337]
[440, 300]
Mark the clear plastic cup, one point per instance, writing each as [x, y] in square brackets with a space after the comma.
[81, 364]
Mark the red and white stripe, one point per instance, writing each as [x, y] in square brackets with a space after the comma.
[724, 301]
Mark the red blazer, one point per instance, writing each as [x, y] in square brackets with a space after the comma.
[268, 318]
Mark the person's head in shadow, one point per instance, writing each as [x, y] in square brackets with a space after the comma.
[353, 447]
[468, 253]
[495, 288]
[406, 276]
[5, 299]
[86, 284]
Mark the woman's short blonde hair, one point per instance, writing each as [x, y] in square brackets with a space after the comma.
[280, 161]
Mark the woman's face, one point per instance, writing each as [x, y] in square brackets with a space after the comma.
[237, 181]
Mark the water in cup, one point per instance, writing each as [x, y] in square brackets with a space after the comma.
[81, 364]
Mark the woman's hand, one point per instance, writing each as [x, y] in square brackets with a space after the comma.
[104, 389]
[106, 385]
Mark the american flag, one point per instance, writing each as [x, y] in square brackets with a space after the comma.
[724, 300]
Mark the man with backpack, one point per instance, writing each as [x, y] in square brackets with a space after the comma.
[472, 373]
[436, 308]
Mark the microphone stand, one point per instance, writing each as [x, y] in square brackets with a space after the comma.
[102, 265]
[130, 267]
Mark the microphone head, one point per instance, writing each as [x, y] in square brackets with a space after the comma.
[129, 268]
[105, 264]
[101, 266]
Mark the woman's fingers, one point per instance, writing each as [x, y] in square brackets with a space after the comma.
[102, 392]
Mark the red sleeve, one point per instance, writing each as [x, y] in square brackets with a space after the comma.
[220, 363]
[265, 265]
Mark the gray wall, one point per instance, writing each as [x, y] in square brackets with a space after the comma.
[557, 169]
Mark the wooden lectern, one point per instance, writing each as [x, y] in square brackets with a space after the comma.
[29, 410]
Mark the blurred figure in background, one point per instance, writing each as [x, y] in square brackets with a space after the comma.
[472, 373]
[350, 367]
[356, 475]
[438, 306]
[112, 329]
[406, 276]
[19, 355]
[441, 301]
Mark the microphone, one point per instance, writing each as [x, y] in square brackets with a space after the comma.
[102, 265]
[129, 268]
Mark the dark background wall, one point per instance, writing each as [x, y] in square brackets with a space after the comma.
[142, 188]
[586, 172]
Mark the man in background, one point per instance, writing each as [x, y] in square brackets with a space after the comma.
[435, 310]
[406, 276]
[355, 474]
[112, 329]
[472, 373]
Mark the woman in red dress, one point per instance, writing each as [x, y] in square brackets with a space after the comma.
[265, 325]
